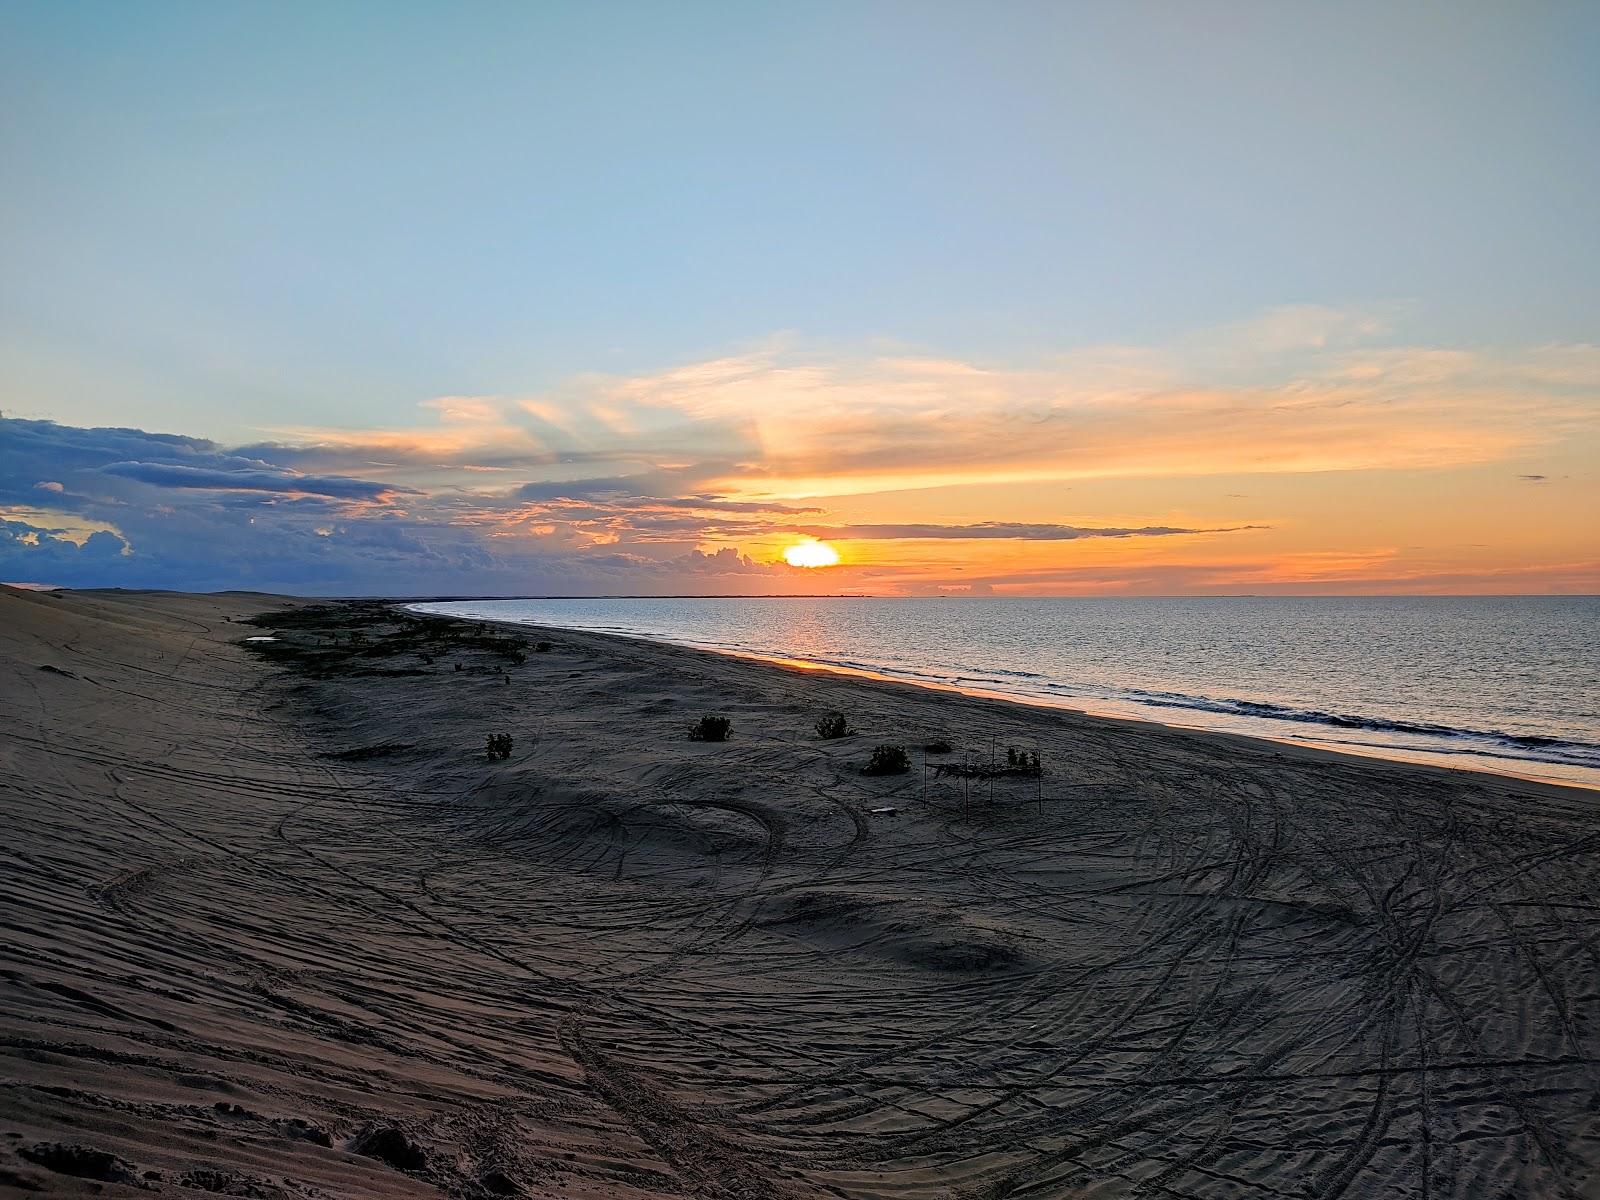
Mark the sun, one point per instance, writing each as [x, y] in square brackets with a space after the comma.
[811, 553]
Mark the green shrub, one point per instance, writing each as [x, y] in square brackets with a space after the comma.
[887, 760]
[710, 728]
[833, 725]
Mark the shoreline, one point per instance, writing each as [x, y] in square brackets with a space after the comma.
[1305, 746]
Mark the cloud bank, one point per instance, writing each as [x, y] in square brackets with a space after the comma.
[187, 513]
[692, 479]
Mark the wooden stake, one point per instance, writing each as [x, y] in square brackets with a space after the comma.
[992, 763]
[1038, 766]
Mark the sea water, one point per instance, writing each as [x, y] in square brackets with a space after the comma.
[1500, 683]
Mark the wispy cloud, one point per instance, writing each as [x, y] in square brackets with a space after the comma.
[1295, 391]
[1002, 530]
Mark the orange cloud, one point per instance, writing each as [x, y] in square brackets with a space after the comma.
[698, 457]
[1292, 392]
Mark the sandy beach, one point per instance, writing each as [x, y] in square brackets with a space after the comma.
[276, 926]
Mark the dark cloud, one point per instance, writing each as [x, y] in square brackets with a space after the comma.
[1534, 478]
[35, 553]
[34, 455]
[122, 507]
[252, 479]
[72, 447]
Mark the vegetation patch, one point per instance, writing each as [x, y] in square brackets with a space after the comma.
[353, 637]
[887, 760]
[710, 728]
[1018, 764]
[833, 725]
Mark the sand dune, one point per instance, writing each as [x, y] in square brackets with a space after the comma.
[275, 926]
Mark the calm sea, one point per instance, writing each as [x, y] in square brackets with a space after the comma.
[1509, 684]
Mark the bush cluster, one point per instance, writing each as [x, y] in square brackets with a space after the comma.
[1021, 760]
[710, 728]
[887, 760]
[833, 725]
[497, 745]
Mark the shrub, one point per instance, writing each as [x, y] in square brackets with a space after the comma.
[939, 746]
[497, 745]
[710, 728]
[541, 647]
[833, 725]
[1020, 762]
[887, 760]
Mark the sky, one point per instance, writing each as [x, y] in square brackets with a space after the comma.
[1024, 299]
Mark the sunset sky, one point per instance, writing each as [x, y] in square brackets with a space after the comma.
[1046, 299]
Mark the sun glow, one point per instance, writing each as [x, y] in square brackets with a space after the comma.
[811, 554]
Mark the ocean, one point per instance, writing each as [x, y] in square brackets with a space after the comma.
[1500, 683]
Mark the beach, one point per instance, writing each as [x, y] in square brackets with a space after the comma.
[278, 926]
[1505, 684]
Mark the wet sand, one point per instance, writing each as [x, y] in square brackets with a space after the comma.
[275, 926]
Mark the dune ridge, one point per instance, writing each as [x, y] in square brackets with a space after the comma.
[276, 926]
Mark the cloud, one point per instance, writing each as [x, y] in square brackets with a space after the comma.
[252, 479]
[1009, 530]
[188, 513]
[654, 482]
[1298, 389]
[137, 509]
[1297, 392]
[63, 559]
